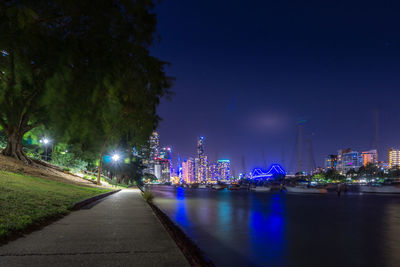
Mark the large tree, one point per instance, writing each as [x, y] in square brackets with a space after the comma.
[26, 62]
[82, 67]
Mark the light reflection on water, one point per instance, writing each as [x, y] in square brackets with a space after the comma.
[181, 216]
[243, 228]
[267, 222]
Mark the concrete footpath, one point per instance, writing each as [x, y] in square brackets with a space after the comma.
[119, 230]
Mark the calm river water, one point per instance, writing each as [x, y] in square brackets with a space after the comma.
[241, 228]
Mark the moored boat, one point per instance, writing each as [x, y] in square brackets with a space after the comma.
[202, 186]
[234, 187]
[261, 189]
[217, 187]
[305, 190]
[382, 189]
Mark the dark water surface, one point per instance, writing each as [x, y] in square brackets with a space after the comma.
[240, 228]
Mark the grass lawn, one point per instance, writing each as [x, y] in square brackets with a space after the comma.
[27, 201]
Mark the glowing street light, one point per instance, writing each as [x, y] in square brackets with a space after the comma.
[45, 141]
[115, 157]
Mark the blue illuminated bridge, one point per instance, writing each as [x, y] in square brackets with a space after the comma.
[274, 171]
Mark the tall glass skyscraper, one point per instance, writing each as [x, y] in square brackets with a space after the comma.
[201, 161]
[224, 169]
[154, 145]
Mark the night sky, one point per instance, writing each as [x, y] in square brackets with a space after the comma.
[246, 71]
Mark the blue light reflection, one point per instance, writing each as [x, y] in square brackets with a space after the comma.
[267, 229]
[181, 215]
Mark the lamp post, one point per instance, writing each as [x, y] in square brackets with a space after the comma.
[115, 158]
[45, 141]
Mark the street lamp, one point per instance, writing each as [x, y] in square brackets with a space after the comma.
[45, 141]
[115, 157]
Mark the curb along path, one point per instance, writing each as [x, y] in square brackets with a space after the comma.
[120, 230]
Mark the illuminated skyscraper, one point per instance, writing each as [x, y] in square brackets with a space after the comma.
[165, 153]
[394, 157]
[212, 172]
[200, 146]
[224, 169]
[201, 161]
[188, 170]
[165, 170]
[154, 146]
[159, 161]
[151, 162]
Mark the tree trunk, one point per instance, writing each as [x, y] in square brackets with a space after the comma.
[110, 132]
[14, 145]
[100, 165]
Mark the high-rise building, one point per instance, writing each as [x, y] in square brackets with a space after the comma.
[185, 173]
[154, 146]
[201, 161]
[165, 170]
[224, 169]
[159, 160]
[164, 159]
[165, 153]
[394, 157]
[212, 172]
[331, 162]
[157, 171]
[370, 156]
[188, 170]
[200, 146]
[151, 163]
[197, 173]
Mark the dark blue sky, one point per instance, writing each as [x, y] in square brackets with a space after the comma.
[247, 70]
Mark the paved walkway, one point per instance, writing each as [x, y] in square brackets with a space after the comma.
[119, 230]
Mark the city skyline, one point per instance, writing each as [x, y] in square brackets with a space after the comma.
[201, 169]
[245, 89]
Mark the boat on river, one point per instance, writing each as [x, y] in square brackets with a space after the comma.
[234, 187]
[302, 189]
[202, 186]
[381, 189]
[260, 189]
[217, 187]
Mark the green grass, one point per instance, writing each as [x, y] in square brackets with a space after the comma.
[28, 201]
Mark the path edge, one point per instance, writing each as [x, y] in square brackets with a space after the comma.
[87, 201]
[194, 255]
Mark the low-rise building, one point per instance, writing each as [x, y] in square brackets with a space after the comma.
[370, 157]
[351, 161]
[394, 157]
[331, 162]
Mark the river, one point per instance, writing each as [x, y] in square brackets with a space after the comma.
[241, 228]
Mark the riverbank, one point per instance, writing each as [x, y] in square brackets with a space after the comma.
[192, 252]
[29, 202]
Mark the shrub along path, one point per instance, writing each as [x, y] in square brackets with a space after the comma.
[119, 230]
